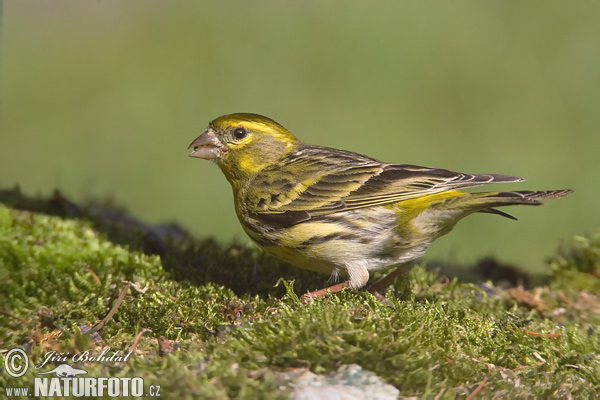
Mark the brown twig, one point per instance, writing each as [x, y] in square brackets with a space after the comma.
[21, 320]
[138, 338]
[538, 334]
[477, 389]
[112, 312]
[96, 278]
[565, 299]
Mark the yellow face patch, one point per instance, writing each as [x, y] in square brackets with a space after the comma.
[248, 163]
[265, 143]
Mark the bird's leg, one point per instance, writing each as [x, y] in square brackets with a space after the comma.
[373, 288]
[322, 292]
[383, 282]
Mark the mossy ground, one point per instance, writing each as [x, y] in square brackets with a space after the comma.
[234, 325]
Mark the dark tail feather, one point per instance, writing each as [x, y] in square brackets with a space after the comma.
[498, 212]
[529, 197]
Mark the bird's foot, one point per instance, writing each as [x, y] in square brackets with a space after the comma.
[323, 292]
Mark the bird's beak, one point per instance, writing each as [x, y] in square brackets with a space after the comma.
[206, 146]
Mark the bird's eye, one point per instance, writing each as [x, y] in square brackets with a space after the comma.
[239, 133]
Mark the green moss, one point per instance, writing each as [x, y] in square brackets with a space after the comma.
[234, 330]
[577, 266]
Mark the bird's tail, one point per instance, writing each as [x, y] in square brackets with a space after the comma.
[487, 201]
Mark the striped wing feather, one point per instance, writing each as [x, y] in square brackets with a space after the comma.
[318, 181]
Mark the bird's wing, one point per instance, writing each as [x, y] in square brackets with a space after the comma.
[318, 181]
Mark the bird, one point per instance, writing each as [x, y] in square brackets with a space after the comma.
[339, 212]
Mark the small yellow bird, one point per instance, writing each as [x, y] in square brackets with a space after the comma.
[338, 212]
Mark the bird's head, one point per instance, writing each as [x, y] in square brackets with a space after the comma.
[243, 144]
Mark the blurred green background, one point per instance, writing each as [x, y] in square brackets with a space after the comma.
[101, 99]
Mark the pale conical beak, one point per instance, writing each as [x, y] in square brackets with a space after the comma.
[206, 146]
